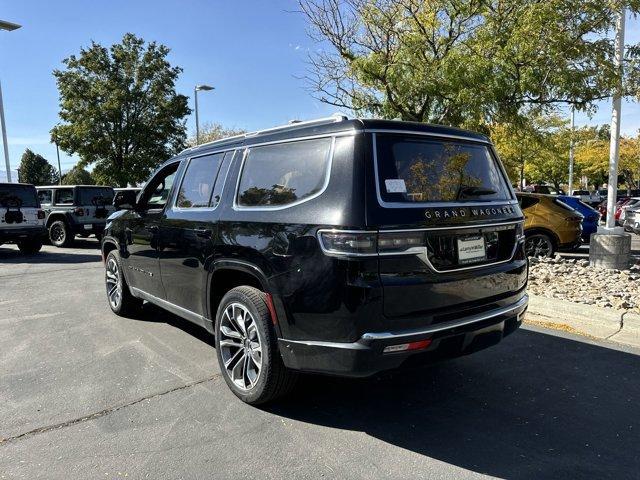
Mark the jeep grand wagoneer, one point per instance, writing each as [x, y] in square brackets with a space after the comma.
[338, 246]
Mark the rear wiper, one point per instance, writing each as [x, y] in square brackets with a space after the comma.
[475, 191]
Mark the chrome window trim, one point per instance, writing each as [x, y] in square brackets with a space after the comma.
[427, 134]
[175, 208]
[385, 204]
[263, 208]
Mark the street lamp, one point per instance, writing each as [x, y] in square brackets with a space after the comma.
[9, 27]
[197, 88]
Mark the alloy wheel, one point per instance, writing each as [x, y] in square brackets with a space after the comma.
[538, 246]
[57, 233]
[240, 346]
[113, 283]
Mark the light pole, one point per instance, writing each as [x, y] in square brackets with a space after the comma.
[8, 26]
[573, 122]
[59, 169]
[197, 88]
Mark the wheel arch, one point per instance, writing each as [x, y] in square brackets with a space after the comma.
[552, 235]
[56, 215]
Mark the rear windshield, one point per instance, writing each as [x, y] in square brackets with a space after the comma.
[413, 169]
[95, 195]
[18, 196]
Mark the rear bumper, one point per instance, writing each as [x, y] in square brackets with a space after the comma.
[365, 357]
[22, 233]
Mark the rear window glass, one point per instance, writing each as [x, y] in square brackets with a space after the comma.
[415, 170]
[95, 196]
[281, 174]
[18, 196]
[44, 196]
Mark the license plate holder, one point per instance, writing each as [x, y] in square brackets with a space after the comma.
[471, 249]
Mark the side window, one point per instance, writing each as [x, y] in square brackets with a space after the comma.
[197, 182]
[64, 196]
[45, 197]
[222, 176]
[285, 173]
[156, 192]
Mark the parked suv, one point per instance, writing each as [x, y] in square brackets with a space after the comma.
[21, 219]
[337, 246]
[75, 210]
[550, 224]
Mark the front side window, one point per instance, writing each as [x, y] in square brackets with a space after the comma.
[276, 175]
[413, 169]
[64, 196]
[44, 196]
[156, 192]
[18, 196]
[197, 183]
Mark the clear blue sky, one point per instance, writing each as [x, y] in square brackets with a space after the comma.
[251, 51]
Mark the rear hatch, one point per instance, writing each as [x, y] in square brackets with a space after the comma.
[95, 203]
[19, 206]
[449, 223]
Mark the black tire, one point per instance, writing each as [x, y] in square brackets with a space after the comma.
[30, 246]
[59, 234]
[539, 244]
[119, 297]
[273, 379]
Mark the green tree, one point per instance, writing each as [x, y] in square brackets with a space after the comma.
[464, 62]
[78, 176]
[214, 131]
[35, 169]
[120, 109]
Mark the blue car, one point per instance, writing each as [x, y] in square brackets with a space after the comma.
[591, 215]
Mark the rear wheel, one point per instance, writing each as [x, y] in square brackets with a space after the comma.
[539, 245]
[247, 348]
[118, 295]
[30, 246]
[59, 234]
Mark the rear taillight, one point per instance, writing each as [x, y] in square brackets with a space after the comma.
[79, 211]
[349, 243]
[405, 347]
[389, 243]
[40, 214]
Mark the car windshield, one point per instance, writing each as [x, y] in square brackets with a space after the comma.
[95, 195]
[18, 196]
[413, 169]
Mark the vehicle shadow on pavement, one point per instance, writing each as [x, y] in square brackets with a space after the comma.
[9, 254]
[536, 406]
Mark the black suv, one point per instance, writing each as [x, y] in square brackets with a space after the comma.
[337, 246]
[75, 210]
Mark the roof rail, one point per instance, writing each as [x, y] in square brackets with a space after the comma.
[291, 125]
[294, 124]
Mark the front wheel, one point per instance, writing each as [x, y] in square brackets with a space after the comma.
[247, 348]
[118, 295]
[539, 245]
[30, 246]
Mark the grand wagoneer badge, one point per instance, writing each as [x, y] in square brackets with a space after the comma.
[468, 212]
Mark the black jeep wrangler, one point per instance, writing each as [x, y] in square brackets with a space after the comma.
[338, 246]
[75, 210]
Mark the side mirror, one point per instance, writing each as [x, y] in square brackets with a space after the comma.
[125, 200]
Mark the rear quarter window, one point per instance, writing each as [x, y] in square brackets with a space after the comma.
[283, 174]
[413, 169]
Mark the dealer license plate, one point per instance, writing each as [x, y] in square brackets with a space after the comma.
[88, 226]
[471, 249]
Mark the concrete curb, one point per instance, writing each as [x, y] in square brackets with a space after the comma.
[602, 323]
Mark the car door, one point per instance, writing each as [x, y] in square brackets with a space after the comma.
[188, 230]
[142, 232]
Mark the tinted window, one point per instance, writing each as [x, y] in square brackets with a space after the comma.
[413, 169]
[156, 192]
[95, 196]
[222, 176]
[526, 202]
[285, 173]
[18, 196]
[197, 183]
[64, 196]
[44, 196]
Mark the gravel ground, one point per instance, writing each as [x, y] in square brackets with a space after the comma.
[574, 280]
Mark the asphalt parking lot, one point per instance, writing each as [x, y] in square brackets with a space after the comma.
[86, 394]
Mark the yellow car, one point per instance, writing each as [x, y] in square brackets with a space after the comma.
[550, 224]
